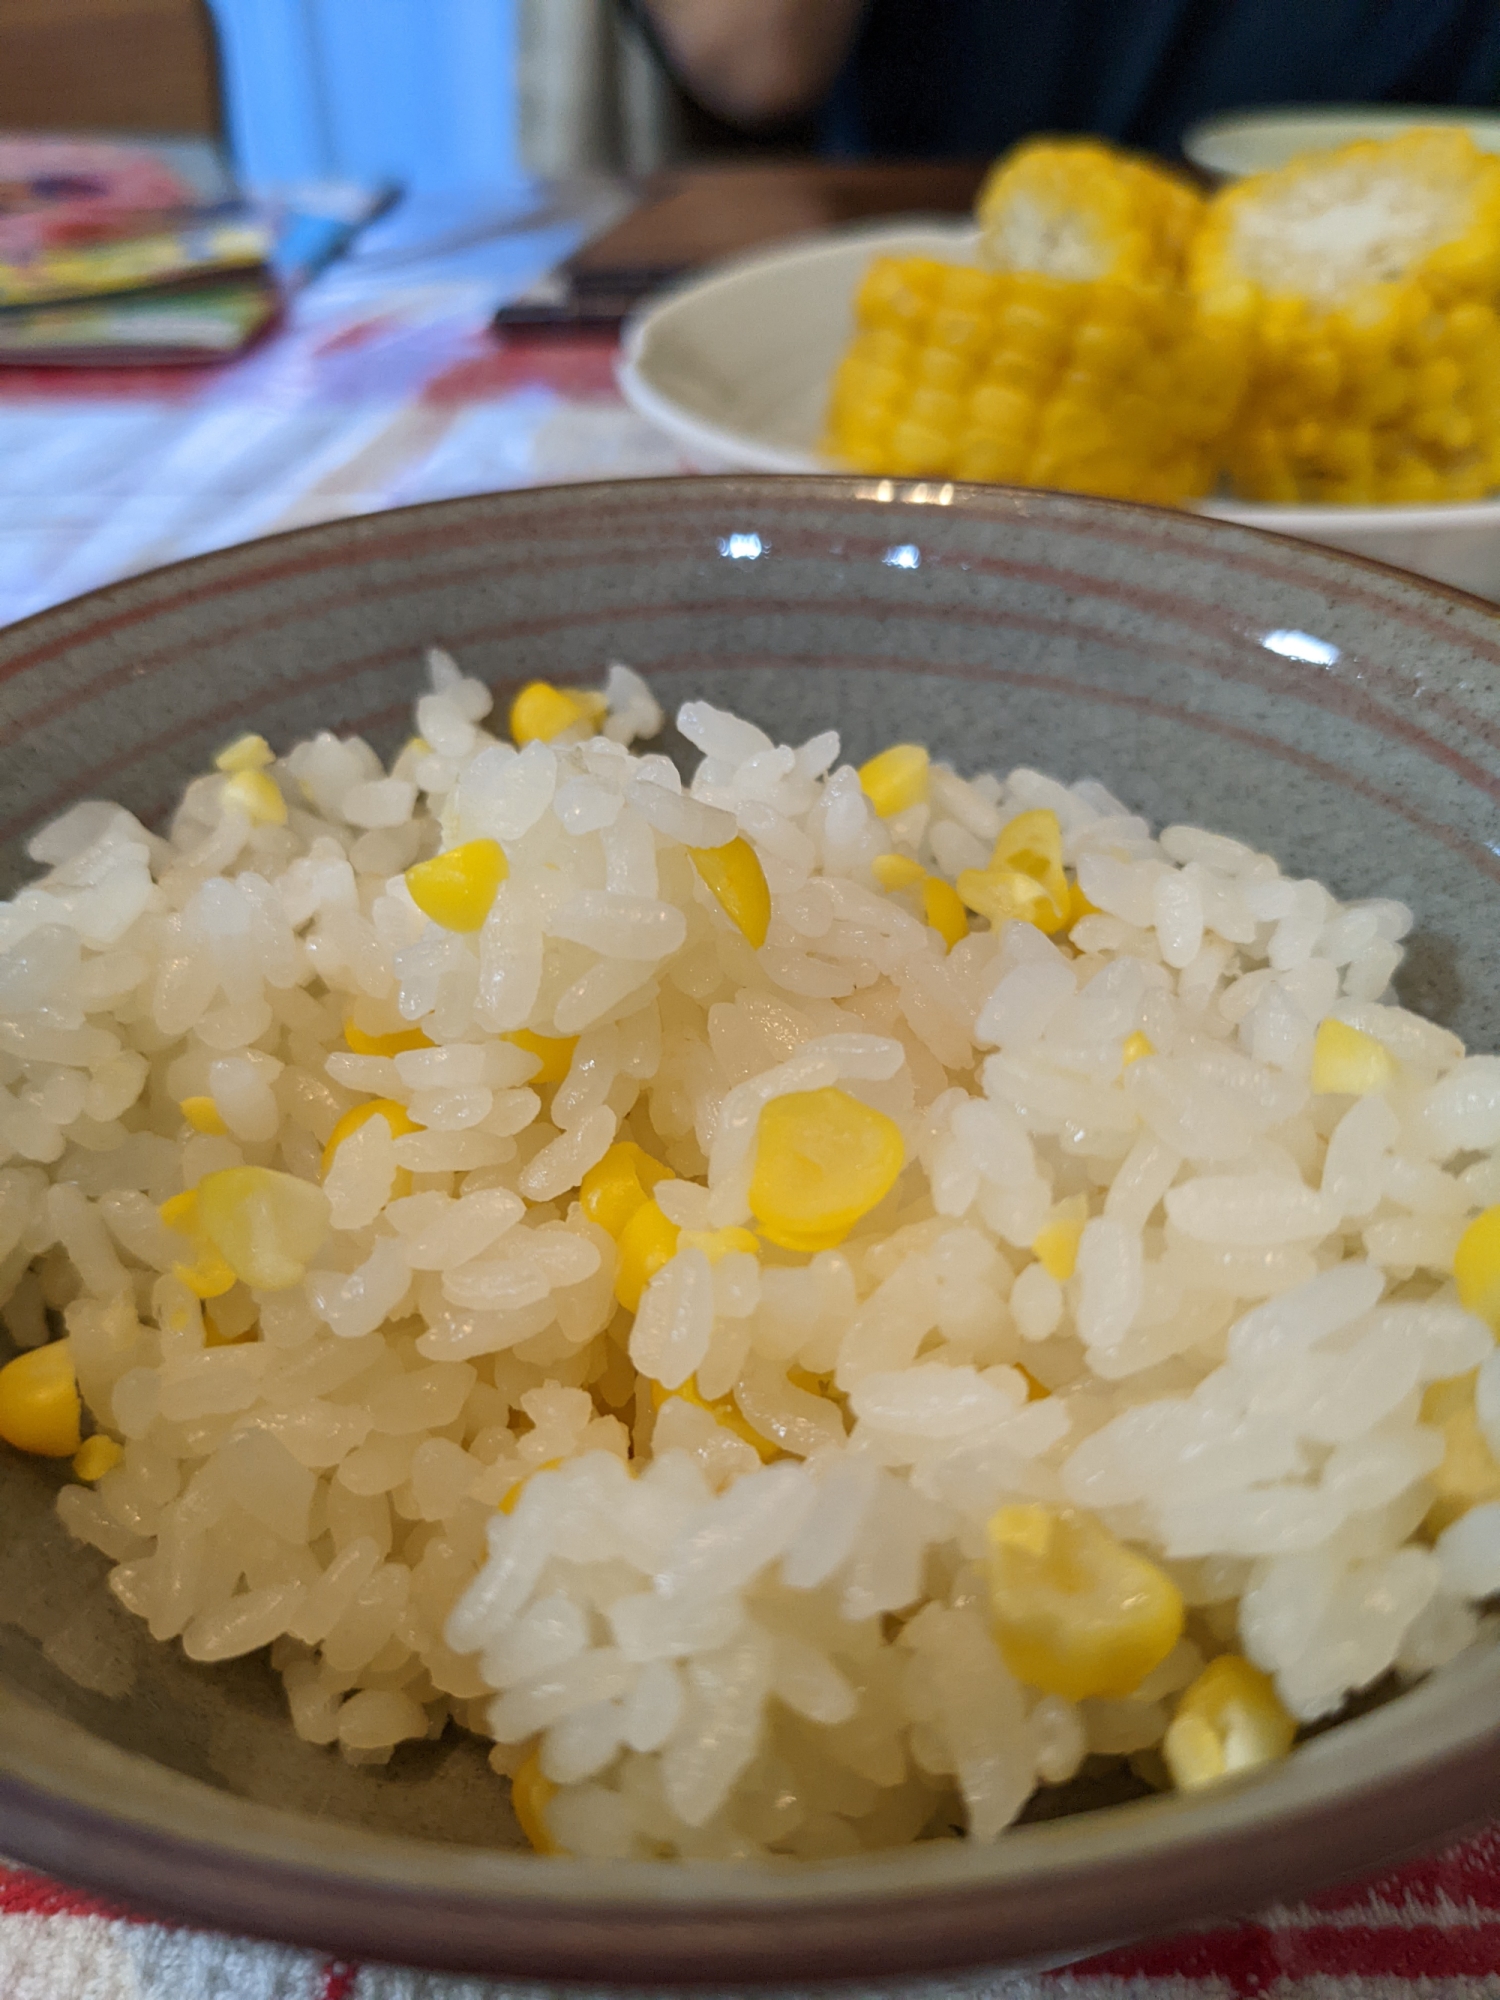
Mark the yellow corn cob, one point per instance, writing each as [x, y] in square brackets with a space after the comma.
[1077, 360]
[1080, 209]
[1369, 278]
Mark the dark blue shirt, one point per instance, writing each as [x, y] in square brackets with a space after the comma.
[970, 77]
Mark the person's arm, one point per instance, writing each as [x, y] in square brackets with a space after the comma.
[753, 61]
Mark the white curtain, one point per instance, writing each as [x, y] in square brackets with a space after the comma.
[592, 96]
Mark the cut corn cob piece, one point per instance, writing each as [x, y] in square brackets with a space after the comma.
[96, 1456]
[1075, 1612]
[1076, 208]
[1349, 1062]
[1078, 360]
[1229, 1720]
[737, 883]
[457, 889]
[39, 1406]
[541, 712]
[1468, 1474]
[616, 1186]
[1476, 1268]
[1368, 279]
[822, 1161]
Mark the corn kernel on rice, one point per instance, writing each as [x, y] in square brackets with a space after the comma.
[1120, 1272]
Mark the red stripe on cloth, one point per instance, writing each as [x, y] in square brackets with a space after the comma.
[25, 1894]
[338, 1981]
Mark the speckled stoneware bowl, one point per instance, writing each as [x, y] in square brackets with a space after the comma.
[1345, 717]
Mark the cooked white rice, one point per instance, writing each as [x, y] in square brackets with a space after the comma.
[711, 1656]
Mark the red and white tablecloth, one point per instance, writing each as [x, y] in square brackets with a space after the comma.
[1428, 1931]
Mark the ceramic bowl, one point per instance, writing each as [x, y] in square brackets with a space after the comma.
[1345, 718]
[735, 365]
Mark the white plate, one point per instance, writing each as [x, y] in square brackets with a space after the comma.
[1233, 143]
[735, 366]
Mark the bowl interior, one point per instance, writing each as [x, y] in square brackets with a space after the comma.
[1341, 716]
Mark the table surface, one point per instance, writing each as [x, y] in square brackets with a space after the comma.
[384, 387]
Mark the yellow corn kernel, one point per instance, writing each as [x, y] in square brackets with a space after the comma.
[554, 1051]
[1468, 1474]
[267, 1226]
[1036, 1391]
[1076, 1612]
[1005, 895]
[896, 779]
[944, 910]
[395, 1115]
[1229, 1720]
[512, 1497]
[647, 1242]
[1348, 1061]
[737, 883]
[822, 1161]
[897, 871]
[395, 1044]
[725, 1412]
[616, 1186]
[541, 711]
[530, 1796]
[717, 1243]
[1031, 843]
[96, 1456]
[257, 796]
[207, 1276]
[457, 889]
[1134, 1047]
[39, 1406]
[202, 1114]
[1055, 1245]
[245, 753]
[1476, 1268]
[1080, 907]
[212, 1337]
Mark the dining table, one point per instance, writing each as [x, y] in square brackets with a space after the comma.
[386, 385]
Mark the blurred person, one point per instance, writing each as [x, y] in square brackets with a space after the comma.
[970, 77]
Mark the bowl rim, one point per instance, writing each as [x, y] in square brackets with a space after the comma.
[1350, 119]
[1379, 1787]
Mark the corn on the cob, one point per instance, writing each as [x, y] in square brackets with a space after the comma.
[1368, 280]
[1077, 360]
